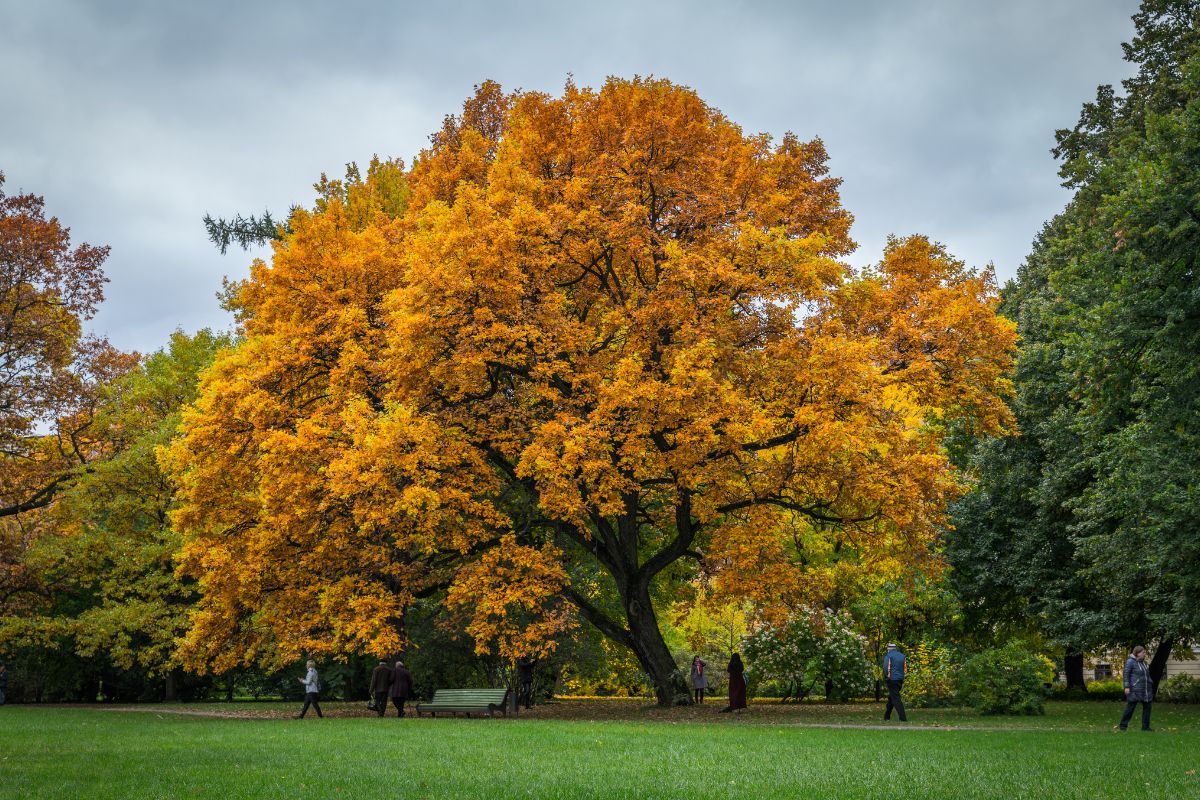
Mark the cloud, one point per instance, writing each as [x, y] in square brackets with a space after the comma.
[133, 119]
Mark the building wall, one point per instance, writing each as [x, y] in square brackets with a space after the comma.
[1175, 664]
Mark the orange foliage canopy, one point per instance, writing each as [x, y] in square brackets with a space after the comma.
[607, 332]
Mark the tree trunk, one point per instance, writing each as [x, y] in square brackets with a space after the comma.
[1073, 667]
[646, 641]
[1158, 664]
[878, 690]
[171, 690]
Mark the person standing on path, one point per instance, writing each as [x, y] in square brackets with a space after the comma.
[737, 684]
[312, 689]
[895, 667]
[699, 682]
[401, 688]
[381, 681]
[1139, 687]
[525, 666]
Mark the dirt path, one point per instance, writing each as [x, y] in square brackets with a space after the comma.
[356, 710]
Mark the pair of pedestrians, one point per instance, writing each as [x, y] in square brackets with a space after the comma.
[737, 682]
[385, 682]
[388, 682]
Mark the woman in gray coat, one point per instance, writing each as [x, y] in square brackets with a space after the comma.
[1139, 688]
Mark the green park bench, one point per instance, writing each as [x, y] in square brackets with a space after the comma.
[466, 701]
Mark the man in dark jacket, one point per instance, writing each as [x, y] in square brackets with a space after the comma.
[1139, 688]
[525, 666]
[895, 667]
[401, 687]
[381, 682]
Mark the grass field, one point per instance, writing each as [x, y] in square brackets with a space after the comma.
[154, 752]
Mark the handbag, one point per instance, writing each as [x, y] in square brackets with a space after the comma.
[371, 704]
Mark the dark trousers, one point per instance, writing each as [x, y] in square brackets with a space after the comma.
[380, 702]
[894, 701]
[398, 702]
[525, 694]
[699, 695]
[310, 699]
[1129, 714]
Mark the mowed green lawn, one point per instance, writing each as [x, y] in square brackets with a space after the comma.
[98, 753]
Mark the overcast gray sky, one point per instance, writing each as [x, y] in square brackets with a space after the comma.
[133, 119]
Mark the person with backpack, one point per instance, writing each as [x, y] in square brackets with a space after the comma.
[1139, 687]
[381, 681]
[312, 690]
[895, 667]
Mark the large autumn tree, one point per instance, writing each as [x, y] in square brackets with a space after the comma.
[584, 342]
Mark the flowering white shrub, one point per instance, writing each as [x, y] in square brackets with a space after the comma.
[810, 649]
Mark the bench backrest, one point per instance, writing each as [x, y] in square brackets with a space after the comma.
[467, 697]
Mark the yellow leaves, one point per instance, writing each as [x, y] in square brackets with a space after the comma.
[593, 306]
[512, 596]
[938, 333]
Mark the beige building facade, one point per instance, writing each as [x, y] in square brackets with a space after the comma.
[1108, 666]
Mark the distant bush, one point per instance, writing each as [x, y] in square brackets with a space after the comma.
[1006, 680]
[1104, 691]
[1180, 689]
[1111, 689]
[931, 676]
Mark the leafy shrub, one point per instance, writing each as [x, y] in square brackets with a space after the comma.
[810, 650]
[931, 676]
[1180, 689]
[1106, 690]
[1006, 680]
[1095, 690]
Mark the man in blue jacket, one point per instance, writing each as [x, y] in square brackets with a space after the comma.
[895, 666]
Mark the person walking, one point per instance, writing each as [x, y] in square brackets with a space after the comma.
[381, 681]
[1139, 687]
[895, 667]
[401, 688]
[699, 682]
[737, 684]
[3, 683]
[312, 689]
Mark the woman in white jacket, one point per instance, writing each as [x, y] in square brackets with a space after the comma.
[312, 687]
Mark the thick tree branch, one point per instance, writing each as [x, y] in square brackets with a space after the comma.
[685, 528]
[40, 499]
[604, 623]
